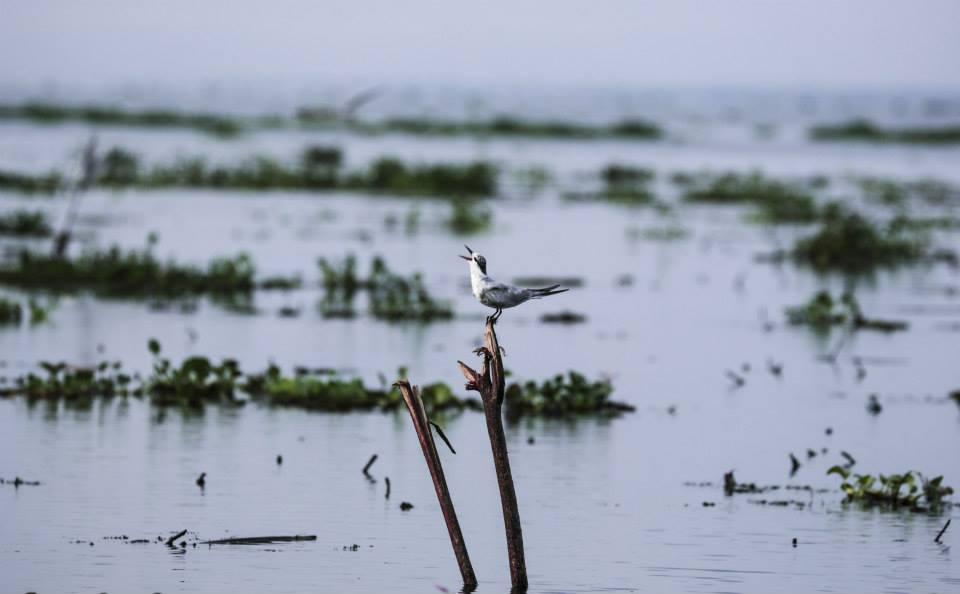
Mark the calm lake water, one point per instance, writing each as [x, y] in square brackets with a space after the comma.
[607, 505]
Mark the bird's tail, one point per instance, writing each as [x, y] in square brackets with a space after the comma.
[546, 291]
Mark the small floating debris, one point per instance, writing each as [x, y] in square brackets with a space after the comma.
[873, 405]
[406, 506]
[366, 467]
[247, 540]
[202, 480]
[173, 539]
[563, 317]
[18, 482]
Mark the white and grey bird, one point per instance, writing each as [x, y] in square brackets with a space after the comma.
[500, 296]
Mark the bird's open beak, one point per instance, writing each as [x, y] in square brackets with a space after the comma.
[470, 257]
[467, 258]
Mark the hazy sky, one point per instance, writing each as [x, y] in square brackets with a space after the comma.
[839, 43]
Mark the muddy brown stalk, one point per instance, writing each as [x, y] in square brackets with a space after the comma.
[411, 396]
[490, 383]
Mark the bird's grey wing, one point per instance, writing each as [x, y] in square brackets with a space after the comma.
[507, 295]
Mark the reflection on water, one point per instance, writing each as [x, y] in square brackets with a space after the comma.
[603, 502]
[603, 507]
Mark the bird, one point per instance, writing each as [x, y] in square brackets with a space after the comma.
[500, 296]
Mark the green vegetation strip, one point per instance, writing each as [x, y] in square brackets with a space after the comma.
[867, 131]
[230, 125]
[198, 381]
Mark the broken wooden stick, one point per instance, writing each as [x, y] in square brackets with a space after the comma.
[490, 383]
[411, 396]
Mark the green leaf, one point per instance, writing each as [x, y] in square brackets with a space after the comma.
[837, 469]
[154, 346]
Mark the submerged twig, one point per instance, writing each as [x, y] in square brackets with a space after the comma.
[411, 396]
[942, 530]
[175, 537]
[366, 467]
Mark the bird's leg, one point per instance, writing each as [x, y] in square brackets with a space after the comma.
[496, 316]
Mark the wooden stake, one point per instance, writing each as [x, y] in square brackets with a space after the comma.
[411, 396]
[490, 383]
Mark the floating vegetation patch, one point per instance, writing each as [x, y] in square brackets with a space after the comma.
[390, 296]
[468, 217]
[666, 233]
[867, 131]
[623, 184]
[632, 129]
[563, 317]
[25, 223]
[849, 242]
[50, 113]
[132, 273]
[224, 125]
[776, 201]
[563, 395]
[822, 312]
[193, 383]
[63, 382]
[198, 381]
[910, 490]
[329, 392]
[319, 168]
[11, 312]
[46, 183]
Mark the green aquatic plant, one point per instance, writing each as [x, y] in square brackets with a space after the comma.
[822, 312]
[330, 392]
[563, 395]
[468, 217]
[64, 382]
[391, 296]
[390, 174]
[633, 129]
[11, 312]
[50, 113]
[44, 183]
[777, 201]
[866, 131]
[194, 382]
[318, 169]
[25, 223]
[909, 490]
[130, 273]
[849, 242]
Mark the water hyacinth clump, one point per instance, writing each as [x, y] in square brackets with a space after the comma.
[318, 168]
[46, 183]
[823, 312]
[562, 395]
[50, 113]
[11, 312]
[390, 296]
[131, 273]
[25, 223]
[71, 384]
[626, 184]
[910, 490]
[329, 392]
[867, 131]
[847, 241]
[194, 382]
[777, 201]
